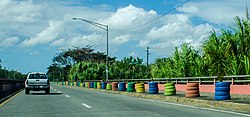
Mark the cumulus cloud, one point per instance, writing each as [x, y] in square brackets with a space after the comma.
[9, 41]
[45, 36]
[128, 16]
[174, 33]
[214, 11]
[93, 39]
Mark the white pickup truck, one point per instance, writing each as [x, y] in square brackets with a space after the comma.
[37, 81]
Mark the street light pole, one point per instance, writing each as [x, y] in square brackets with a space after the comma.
[104, 27]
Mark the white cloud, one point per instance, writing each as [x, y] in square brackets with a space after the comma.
[45, 36]
[174, 33]
[120, 39]
[214, 11]
[189, 9]
[9, 41]
[129, 16]
[93, 39]
[34, 53]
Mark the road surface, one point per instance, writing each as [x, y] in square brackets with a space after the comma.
[80, 102]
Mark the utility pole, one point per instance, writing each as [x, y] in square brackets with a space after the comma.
[147, 61]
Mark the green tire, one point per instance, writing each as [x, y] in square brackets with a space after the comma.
[169, 84]
[170, 87]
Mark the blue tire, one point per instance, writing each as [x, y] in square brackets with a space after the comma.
[152, 92]
[222, 84]
[122, 86]
[227, 97]
[152, 83]
[104, 85]
[223, 89]
[221, 93]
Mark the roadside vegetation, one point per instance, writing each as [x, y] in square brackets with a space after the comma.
[226, 52]
[10, 74]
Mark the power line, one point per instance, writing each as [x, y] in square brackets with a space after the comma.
[152, 19]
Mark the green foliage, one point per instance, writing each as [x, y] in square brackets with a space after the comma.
[223, 54]
[128, 68]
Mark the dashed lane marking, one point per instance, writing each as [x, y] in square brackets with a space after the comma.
[87, 106]
[67, 95]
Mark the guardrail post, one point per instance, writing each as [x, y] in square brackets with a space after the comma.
[232, 81]
[176, 81]
[214, 81]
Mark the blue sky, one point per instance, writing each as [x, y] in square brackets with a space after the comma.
[33, 31]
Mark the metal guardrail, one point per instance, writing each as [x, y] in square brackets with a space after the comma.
[209, 79]
[9, 86]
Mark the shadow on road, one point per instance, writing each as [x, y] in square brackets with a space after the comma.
[33, 93]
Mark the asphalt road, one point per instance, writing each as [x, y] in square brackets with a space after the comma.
[80, 102]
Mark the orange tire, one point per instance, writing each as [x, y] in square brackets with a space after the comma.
[192, 88]
[192, 92]
[192, 95]
[192, 85]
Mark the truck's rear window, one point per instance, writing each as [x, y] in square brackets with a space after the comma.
[37, 76]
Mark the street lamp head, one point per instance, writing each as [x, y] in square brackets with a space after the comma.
[74, 18]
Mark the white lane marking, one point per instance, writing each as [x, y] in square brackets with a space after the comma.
[67, 95]
[216, 110]
[87, 106]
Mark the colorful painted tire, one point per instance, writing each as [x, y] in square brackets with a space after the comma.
[169, 84]
[95, 85]
[226, 97]
[192, 90]
[122, 86]
[131, 87]
[109, 87]
[218, 93]
[104, 85]
[99, 86]
[170, 90]
[114, 86]
[169, 87]
[153, 88]
[222, 89]
[192, 85]
[169, 93]
[222, 84]
[192, 95]
[140, 88]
